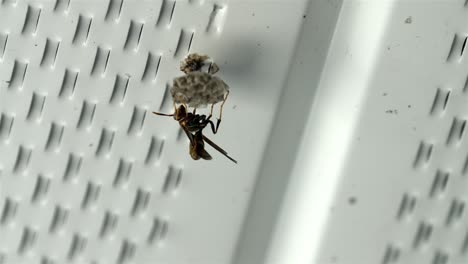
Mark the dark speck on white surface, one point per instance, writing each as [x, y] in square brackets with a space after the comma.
[409, 20]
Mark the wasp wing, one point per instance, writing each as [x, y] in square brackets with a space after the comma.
[218, 148]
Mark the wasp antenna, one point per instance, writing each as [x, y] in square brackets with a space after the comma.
[161, 114]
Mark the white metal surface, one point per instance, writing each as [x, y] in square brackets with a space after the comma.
[355, 110]
[88, 174]
[381, 173]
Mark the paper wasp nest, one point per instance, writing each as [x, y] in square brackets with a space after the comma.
[198, 88]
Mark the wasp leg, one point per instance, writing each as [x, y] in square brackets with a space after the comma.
[212, 125]
[211, 112]
[194, 110]
[213, 128]
[222, 104]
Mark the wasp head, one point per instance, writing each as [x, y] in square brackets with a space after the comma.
[180, 113]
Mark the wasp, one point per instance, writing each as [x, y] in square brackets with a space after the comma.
[193, 124]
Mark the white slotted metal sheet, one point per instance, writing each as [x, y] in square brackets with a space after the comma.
[347, 119]
[88, 174]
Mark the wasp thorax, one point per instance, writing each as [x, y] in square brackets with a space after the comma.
[198, 89]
